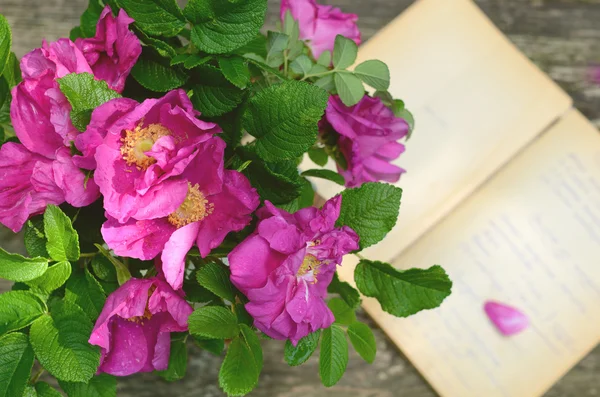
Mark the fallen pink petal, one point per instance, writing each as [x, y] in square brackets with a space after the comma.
[507, 319]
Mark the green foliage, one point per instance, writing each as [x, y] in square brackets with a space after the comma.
[215, 278]
[15, 267]
[35, 238]
[214, 322]
[363, 340]
[251, 339]
[86, 292]
[371, 211]
[60, 343]
[43, 389]
[306, 198]
[12, 74]
[374, 73]
[325, 174]
[214, 101]
[5, 43]
[85, 94]
[240, 370]
[16, 361]
[62, 240]
[155, 73]
[53, 279]
[302, 65]
[276, 45]
[123, 273]
[102, 385]
[334, 355]
[344, 52]
[155, 17]
[344, 314]
[18, 309]
[221, 26]
[284, 119]
[299, 354]
[235, 69]
[403, 293]
[348, 293]
[214, 346]
[318, 156]
[89, 18]
[349, 88]
[177, 362]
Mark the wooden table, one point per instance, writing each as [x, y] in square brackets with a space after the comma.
[561, 36]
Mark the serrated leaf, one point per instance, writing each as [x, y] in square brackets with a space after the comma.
[179, 59]
[306, 198]
[374, 73]
[343, 313]
[155, 17]
[318, 155]
[178, 360]
[63, 241]
[53, 279]
[34, 237]
[89, 18]
[251, 339]
[214, 101]
[213, 322]
[403, 293]
[16, 361]
[363, 341]
[235, 70]
[334, 355]
[15, 267]
[18, 309]
[299, 354]
[349, 88]
[325, 59]
[344, 52]
[85, 94]
[86, 292]
[302, 65]
[195, 60]
[214, 346]
[163, 48]
[103, 385]
[371, 211]
[238, 374]
[231, 25]
[215, 278]
[348, 293]
[156, 74]
[325, 174]
[257, 46]
[5, 42]
[284, 119]
[60, 343]
[45, 390]
[242, 315]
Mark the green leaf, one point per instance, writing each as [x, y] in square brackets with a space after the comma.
[85, 94]
[5, 42]
[349, 88]
[318, 155]
[102, 385]
[45, 390]
[155, 17]
[15, 267]
[299, 354]
[235, 70]
[302, 65]
[123, 274]
[214, 101]
[34, 237]
[215, 278]
[276, 43]
[5, 100]
[213, 322]
[239, 373]
[229, 26]
[257, 46]
[363, 340]
[12, 72]
[155, 73]
[402, 293]
[334, 355]
[18, 309]
[16, 361]
[349, 294]
[163, 48]
[284, 119]
[344, 52]
[325, 59]
[53, 279]
[178, 361]
[344, 314]
[374, 73]
[60, 343]
[63, 241]
[89, 18]
[325, 174]
[251, 339]
[371, 211]
[401, 111]
[214, 346]
[86, 292]
[242, 315]
[104, 269]
[306, 198]
[195, 60]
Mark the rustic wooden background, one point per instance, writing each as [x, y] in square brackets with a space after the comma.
[561, 36]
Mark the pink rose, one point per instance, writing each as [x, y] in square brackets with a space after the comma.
[320, 24]
[285, 267]
[368, 138]
[134, 328]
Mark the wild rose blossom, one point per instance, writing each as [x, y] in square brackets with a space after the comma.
[320, 24]
[134, 328]
[368, 139]
[114, 49]
[285, 267]
[161, 173]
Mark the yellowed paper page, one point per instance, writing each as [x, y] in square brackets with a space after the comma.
[529, 238]
[476, 99]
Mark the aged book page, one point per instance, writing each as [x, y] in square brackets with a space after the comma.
[476, 99]
[530, 238]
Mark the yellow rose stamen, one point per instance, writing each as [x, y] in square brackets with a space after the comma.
[137, 142]
[194, 208]
[310, 265]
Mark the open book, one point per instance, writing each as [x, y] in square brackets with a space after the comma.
[503, 190]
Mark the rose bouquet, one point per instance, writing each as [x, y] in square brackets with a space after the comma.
[151, 161]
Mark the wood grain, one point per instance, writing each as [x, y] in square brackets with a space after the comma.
[561, 36]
